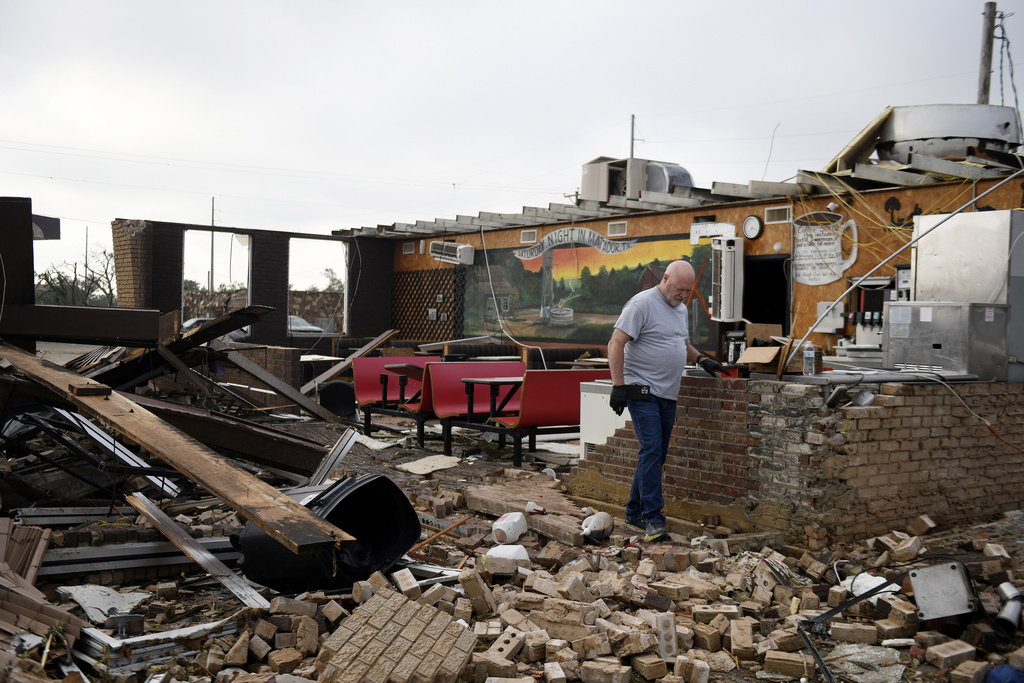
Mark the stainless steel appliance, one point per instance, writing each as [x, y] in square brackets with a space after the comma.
[947, 337]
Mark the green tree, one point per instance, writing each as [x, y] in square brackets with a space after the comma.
[334, 283]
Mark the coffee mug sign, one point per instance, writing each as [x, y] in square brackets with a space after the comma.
[818, 247]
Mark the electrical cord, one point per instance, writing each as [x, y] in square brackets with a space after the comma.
[917, 239]
[987, 423]
[497, 309]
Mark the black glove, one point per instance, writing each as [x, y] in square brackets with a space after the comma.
[618, 398]
[711, 366]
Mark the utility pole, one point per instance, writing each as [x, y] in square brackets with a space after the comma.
[213, 201]
[633, 123]
[987, 36]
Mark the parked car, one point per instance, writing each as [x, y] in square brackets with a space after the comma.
[296, 325]
[234, 335]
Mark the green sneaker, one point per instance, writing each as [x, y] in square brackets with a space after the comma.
[656, 532]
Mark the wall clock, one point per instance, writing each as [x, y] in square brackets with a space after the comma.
[752, 227]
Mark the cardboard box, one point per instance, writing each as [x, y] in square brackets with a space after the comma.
[767, 358]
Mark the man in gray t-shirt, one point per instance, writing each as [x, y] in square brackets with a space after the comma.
[650, 348]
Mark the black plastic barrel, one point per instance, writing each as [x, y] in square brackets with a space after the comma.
[339, 397]
[371, 508]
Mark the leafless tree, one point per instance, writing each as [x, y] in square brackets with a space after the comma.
[75, 284]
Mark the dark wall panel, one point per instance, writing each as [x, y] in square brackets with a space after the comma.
[269, 287]
[371, 278]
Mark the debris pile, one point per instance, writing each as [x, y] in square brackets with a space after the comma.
[491, 573]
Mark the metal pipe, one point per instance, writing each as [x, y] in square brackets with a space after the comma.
[1009, 613]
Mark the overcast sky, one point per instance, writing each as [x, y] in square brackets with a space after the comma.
[313, 116]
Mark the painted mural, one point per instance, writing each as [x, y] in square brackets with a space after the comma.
[818, 247]
[571, 286]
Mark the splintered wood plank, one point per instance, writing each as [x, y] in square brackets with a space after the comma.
[200, 555]
[860, 148]
[287, 522]
[340, 367]
[561, 522]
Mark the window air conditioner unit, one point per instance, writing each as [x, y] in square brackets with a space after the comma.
[727, 279]
[452, 252]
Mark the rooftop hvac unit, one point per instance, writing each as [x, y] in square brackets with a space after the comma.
[452, 252]
[727, 279]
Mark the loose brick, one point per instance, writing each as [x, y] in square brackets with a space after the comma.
[604, 672]
[866, 634]
[970, 672]
[789, 664]
[650, 666]
[949, 655]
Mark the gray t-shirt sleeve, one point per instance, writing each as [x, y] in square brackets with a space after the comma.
[656, 352]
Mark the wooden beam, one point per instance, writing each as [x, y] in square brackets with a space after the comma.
[770, 188]
[736, 190]
[251, 441]
[860, 148]
[890, 176]
[669, 199]
[1008, 159]
[191, 377]
[287, 522]
[953, 169]
[343, 365]
[546, 214]
[82, 324]
[200, 555]
[635, 204]
[275, 382]
[834, 182]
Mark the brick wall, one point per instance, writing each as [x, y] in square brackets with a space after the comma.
[133, 262]
[769, 456]
[148, 264]
[282, 361]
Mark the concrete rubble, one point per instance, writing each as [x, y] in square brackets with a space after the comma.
[93, 591]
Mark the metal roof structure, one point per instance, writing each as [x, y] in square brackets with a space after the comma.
[853, 169]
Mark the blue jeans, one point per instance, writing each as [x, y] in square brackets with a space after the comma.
[653, 420]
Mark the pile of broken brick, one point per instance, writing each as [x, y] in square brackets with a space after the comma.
[691, 610]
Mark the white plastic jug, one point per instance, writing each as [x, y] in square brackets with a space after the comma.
[509, 527]
[509, 552]
[598, 526]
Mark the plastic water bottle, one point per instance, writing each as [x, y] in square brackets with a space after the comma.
[808, 358]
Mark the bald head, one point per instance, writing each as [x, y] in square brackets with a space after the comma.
[677, 283]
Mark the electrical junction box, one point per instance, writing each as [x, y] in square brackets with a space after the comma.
[942, 590]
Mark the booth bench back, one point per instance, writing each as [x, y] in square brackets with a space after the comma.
[366, 372]
[448, 392]
[551, 397]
